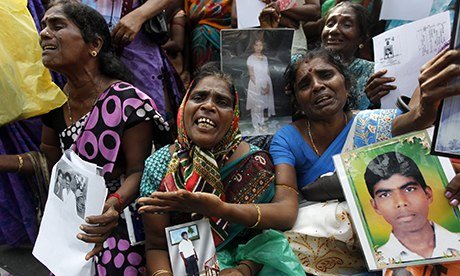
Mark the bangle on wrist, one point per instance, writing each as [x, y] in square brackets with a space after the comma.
[21, 162]
[120, 201]
[259, 216]
[161, 271]
[248, 266]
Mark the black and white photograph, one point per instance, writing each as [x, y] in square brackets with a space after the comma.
[71, 188]
[446, 141]
[257, 64]
[191, 248]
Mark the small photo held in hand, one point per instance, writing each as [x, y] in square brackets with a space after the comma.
[191, 248]
[446, 141]
[257, 64]
[395, 191]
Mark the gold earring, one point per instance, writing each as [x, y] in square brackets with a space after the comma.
[361, 46]
[93, 53]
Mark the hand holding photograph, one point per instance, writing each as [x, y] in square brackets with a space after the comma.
[395, 191]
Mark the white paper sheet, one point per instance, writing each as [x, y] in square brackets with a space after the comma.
[248, 13]
[403, 51]
[57, 246]
[405, 9]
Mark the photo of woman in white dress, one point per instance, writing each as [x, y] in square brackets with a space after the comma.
[260, 88]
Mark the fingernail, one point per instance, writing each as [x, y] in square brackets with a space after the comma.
[81, 227]
[393, 79]
[448, 194]
[454, 202]
[79, 236]
[87, 220]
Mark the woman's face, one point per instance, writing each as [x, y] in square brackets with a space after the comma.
[61, 40]
[341, 32]
[258, 47]
[208, 113]
[320, 89]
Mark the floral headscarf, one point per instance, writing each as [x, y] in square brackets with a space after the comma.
[198, 170]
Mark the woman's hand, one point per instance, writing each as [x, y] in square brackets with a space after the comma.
[433, 80]
[453, 191]
[126, 30]
[270, 16]
[377, 87]
[99, 228]
[182, 201]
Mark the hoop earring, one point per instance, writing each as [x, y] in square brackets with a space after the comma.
[93, 53]
[360, 46]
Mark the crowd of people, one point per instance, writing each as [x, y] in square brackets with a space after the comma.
[181, 155]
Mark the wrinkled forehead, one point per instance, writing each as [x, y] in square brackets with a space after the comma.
[343, 12]
[56, 11]
[212, 84]
[310, 65]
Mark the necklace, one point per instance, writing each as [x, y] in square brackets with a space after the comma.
[311, 137]
[70, 109]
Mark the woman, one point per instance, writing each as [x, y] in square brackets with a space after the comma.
[108, 121]
[206, 19]
[236, 183]
[345, 30]
[260, 88]
[153, 72]
[303, 151]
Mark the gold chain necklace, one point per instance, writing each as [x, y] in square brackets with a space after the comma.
[311, 137]
[70, 109]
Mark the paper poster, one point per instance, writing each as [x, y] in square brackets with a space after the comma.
[405, 10]
[248, 13]
[395, 191]
[405, 49]
[76, 191]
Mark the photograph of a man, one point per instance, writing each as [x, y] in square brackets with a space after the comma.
[401, 196]
[188, 255]
[59, 185]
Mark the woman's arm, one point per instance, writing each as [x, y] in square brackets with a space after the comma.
[156, 247]
[177, 31]
[433, 87]
[21, 163]
[309, 11]
[136, 146]
[128, 27]
[284, 201]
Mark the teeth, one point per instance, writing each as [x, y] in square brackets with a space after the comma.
[322, 99]
[49, 48]
[202, 121]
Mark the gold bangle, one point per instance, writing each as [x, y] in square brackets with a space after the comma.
[288, 187]
[259, 216]
[21, 162]
[161, 271]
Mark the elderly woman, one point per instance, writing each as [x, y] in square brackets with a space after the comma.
[212, 172]
[106, 120]
[303, 151]
[345, 30]
[152, 71]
